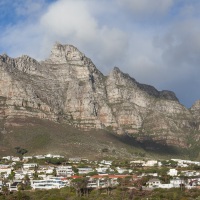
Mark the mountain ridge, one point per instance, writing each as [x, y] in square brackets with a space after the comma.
[68, 88]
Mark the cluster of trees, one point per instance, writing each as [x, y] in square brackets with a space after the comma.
[21, 151]
[55, 161]
[119, 193]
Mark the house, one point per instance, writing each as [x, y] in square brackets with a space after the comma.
[48, 156]
[1, 184]
[57, 156]
[106, 162]
[151, 163]
[39, 157]
[122, 170]
[85, 170]
[26, 158]
[7, 157]
[102, 170]
[193, 182]
[153, 183]
[105, 180]
[137, 163]
[29, 165]
[14, 185]
[172, 172]
[47, 184]
[74, 160]
[191, 173]
[4, 166]
[150, 174]
[5, 171]
[65, 171]
[19, 174]
[15, 159]
[177, 182]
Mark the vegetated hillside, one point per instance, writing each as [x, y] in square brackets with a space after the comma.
[67, 89]
[43, 137]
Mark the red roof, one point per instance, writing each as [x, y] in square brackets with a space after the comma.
[111, 176]
[75, 177]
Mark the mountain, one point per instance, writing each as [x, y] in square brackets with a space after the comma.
[67, 88]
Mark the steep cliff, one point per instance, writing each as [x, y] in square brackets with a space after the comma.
[68, 88]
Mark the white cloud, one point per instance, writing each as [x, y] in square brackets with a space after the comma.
[69, 19]
[146, 7]
[181, 44]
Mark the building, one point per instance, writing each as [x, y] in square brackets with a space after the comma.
[172, 172]
[29, 165]
[65, 171]
[85, 170]
[153, 183]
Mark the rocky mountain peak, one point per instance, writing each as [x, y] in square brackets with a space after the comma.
[121, 78]
[61, 54]
[196, 105]
[5, 59]
[169, 95]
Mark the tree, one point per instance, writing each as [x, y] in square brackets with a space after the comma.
[5, 190]
[54, 172]
[35, 174]
[80, 185]
[21, 151]
[108, 185]
[26, 180]
[75, 169]
[123, 185]
[11, 175]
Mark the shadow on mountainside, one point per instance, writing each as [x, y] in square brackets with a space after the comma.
[150, 146]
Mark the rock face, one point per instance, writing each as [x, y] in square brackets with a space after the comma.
[68, 88]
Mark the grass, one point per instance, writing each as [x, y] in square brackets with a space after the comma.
[43, 136]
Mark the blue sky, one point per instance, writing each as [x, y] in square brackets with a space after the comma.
[156, 41]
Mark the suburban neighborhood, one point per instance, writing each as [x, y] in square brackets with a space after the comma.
[55, 171]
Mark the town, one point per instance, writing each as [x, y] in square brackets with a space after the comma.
[44, 172]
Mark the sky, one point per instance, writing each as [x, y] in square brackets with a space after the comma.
[157, 42]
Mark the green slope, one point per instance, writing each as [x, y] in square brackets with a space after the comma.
[43, 136]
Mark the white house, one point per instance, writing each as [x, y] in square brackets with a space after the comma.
[47, 184]
[19, 174]
[106, 162]
[75, 160]
[64, 171]
[177, 182]
[39, 157]
[122, 170]
[29, 165]
[102, 169]
[26, 158]
[172, 172]
[15, 159]
[85, 170]
[137, 163]
[151, 163]
[153, 183]
[7, 157]
[14, 186]
[5, 170]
